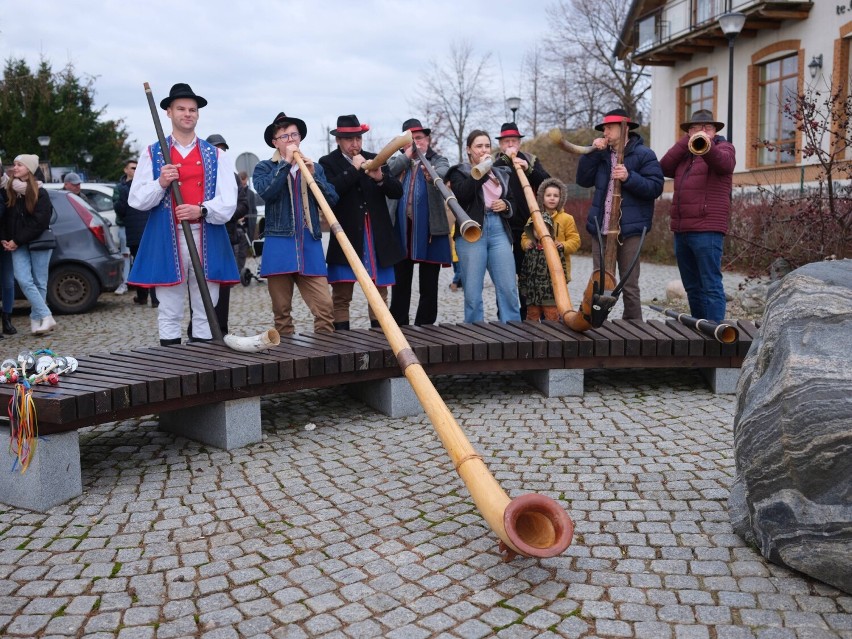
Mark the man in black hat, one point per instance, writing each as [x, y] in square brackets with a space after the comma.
[641, 181]
[510, 147]
[208, 189]
[702, 165]
[421, 226]
[293, 253]
[363, 213]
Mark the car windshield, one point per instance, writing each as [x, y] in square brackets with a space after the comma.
[101, 201]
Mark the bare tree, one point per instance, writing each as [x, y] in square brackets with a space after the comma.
[454, 91]
[534, 74]
[585, 33]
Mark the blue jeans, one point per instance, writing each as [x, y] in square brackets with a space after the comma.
[31, 273]
[699, 259]
[492, 252]
[7, 281]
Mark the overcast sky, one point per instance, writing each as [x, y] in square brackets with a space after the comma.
[312, 59]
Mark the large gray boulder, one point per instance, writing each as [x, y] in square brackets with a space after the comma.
[792, 497]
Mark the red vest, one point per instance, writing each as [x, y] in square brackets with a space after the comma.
[191, 181]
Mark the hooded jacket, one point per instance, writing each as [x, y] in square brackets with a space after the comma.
[564, 228]
[643, 185]
[702, 185]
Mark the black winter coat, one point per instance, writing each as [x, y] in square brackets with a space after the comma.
[134, 219]
[21, 226]
[360, 194]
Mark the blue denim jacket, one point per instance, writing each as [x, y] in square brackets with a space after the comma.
[270, 182]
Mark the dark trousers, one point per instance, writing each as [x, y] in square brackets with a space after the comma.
[626, 251]
[142, 293]
[518, 253]
[427, 305]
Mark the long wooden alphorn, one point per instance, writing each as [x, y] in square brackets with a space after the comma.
[720, 331]
[391, 147]
[469, 230]
[532, 525]
[551, 253]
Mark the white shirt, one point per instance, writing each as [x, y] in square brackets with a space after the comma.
[146, 192]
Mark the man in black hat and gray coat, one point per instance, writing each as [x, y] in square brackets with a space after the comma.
[363, 213]
[421, 224]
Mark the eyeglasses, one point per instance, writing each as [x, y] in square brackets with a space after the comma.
[699, 127]
[132, 168]
[294, 137]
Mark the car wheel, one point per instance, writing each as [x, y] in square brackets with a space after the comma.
[245, 278]
[72, 289]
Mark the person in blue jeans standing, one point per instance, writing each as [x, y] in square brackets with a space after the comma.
[26, 217]
[7, 271]
[701, 207]
[488, 202]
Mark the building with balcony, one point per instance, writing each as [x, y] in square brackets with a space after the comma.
[784, 48]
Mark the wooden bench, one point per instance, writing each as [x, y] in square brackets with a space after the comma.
[212, 394]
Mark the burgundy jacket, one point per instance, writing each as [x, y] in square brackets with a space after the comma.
[702, 185]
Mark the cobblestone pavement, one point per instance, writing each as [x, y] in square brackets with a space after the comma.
[345, 523]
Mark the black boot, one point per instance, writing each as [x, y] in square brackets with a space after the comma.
[170, 342]
[341, 326]
[8, 329]
[195, 340]
[375, 324]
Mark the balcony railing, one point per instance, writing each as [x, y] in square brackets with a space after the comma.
[681, 17]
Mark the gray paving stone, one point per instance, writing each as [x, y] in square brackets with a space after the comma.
[327, 533]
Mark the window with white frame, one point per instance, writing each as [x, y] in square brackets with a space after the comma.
[779, 81]
[697, 96]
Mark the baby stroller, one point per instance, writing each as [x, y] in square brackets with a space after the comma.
[254, 251]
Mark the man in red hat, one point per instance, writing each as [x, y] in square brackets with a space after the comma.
[205, 176]
[421, 226]
[510, 147]
[701, 206]
[641, 183]
[363, 214]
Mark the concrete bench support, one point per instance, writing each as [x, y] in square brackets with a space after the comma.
[722, 381]
[53, 476]
[226, 425]
[393, 397]
[557, 382]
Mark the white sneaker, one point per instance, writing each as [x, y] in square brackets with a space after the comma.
[121, 290]
[47, 325]
[35, 325]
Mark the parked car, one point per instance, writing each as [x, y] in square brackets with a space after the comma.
[102, 196]
[86, 260]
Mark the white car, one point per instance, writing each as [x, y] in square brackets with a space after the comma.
[102, 196]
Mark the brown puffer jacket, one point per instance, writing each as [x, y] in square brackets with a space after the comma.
[702, 185]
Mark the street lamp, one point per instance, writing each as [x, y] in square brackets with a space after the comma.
[731, 25]
[513, 104]
[815, 65]
[44, 141]
[87, 158]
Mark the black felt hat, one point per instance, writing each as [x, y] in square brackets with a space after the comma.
[348, 126]
[182, 90]
[509, 130]
[413, 124]
[702, 116]
[217, 140]
[617, 116]
[283, 120]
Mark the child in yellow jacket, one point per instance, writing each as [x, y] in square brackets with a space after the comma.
[535, 281]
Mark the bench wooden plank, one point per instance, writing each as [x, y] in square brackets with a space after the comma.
[259, 366]
[748, 333]
[461, 345]
[320, 362]
[368, 355]
[450, 352]
[555, 346]
[632, 345]
[695, 345]
[144, 386]
[441, 348]
[160, 378]
[494, 348]
[530, 345]
[326, 342]
[647, 343]
[679, 343]
[376, 337]
[508, 342]
[220, 372]
[478, 348]
[186, 373]
[584, 344]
